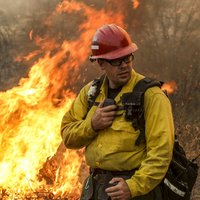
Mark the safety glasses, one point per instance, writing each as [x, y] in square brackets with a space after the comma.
[118, 61]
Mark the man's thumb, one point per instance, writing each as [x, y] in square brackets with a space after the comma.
[101, 104]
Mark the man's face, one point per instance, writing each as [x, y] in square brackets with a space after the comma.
[118, 70]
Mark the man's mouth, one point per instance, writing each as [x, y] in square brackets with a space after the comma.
[125, 73]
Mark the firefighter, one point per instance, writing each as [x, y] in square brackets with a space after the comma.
[119, 169]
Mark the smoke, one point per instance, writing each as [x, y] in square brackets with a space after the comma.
[166, 32]
[23, 7]
[21, 18]
[17, 19]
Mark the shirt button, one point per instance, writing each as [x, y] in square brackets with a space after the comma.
[99, 145]
[97, 163]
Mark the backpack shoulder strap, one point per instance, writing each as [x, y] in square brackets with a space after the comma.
[141, 87]
[138, 98]
[134, 105]
[94, 90]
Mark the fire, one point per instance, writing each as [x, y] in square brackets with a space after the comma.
[31, 114]
[136, 3]
[170, 87]
[31, 35]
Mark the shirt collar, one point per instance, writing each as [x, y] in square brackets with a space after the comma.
[128, 87]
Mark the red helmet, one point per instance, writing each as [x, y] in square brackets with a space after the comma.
[111, 42]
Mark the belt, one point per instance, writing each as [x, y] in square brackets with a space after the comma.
[95, 171]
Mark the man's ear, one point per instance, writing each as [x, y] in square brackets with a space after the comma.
[100, 62]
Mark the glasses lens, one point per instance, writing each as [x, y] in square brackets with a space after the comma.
[128, 58]
[118, 61]
[115, 62]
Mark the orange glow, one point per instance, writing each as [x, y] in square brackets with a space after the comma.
[31, 113]
[30, 55]
[170, 87]
[31, 35]
[136, 3]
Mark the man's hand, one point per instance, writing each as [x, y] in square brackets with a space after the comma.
[120, 191]
[103, 117]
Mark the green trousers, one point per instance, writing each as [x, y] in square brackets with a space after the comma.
[95, 185]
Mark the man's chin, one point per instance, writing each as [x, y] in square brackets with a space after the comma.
[123, 81]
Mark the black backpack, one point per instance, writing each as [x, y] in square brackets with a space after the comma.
[182, 173]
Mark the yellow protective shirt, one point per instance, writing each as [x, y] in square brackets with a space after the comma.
[114, 147]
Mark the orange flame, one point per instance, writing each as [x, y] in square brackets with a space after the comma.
[136, 3]
[31, 113]
[31, 35]
[170, 87]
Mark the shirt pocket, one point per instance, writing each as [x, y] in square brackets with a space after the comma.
[125, 133]
[121, 124]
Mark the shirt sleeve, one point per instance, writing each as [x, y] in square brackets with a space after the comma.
[76, 128]
[159, 133]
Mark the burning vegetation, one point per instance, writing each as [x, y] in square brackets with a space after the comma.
[34, 164]
[31, 165]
